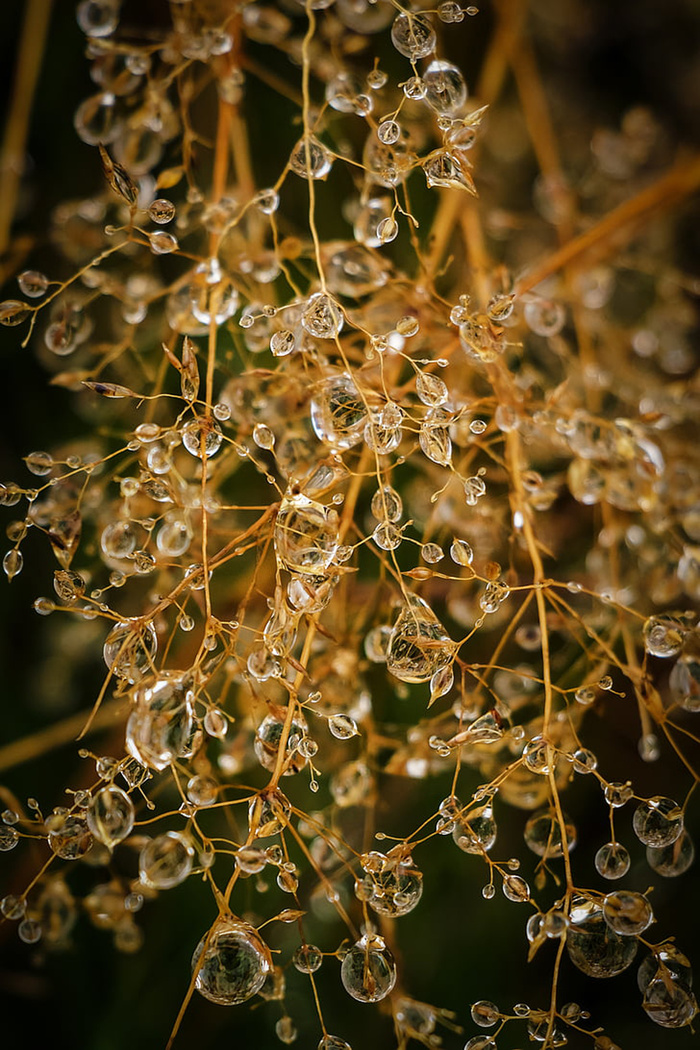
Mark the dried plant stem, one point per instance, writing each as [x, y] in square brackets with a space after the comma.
[680, 182]
[31, 53]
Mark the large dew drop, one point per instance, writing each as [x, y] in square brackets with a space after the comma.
[129, 649]
[166, 861]
[162, 721]
[111, 815]
[593, 947]
[231, 963]
[419, 644]
[368, 971]
[338, 413]
[306, 534]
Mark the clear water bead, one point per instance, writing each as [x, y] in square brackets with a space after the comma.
[310, 159]
[368, 971]
[162, 720]
[322, 317]
[413, 36]
[627, 913]
[202, 437]
[612, 861]
[69, 836]
[593, 947]
[129, 649]
[306, 534]
[111, 815]
[161, 211]
[166, 860]
[338, 413]
[674, 859]
[446, 90]
[664, 635]
[485, 1014]
[658, 822]
[419, 645]
[32, 283]
[98, 18]
[231, 963]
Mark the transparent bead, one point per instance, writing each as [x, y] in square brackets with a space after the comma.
[446, 90]
[307, 958]
[368, 971]
[13, 907]
[663, 635]
[162, 243]
[231, 963]
[413, 36]
[69, 836]
[338, 413]
[617, 794]
[658, 822]
[485, 1014]
[627, 913]
[202, 437]
[32, 283]
[166, 860]
[674, 859]
[161, 723]
[592, 946]
[129, 649]
[111, 815]
[476, 831]
[543, 834]
[612, 861]
[322, 317]
[310, 159]
[306, 535]
[419, 645]
[161, 211]
[515, 888]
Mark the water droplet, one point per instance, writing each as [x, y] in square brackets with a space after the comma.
[162, 720]
[306, 535]
[612, 861]
[658, 821]
[476, 830]
[342, 726]
[12, 563]
[111, 815]
[446, 90]
[674, 859]
[664, 635]
[162, 243]
[166, 860]
[419, 646]
[32, 283]
[202, 437]
[129, 649]
[592, 946]
[307, 958]
[310, 159]
[231, 963]
[368, 971]
[413, 36]
[627, 913]
[543, 834]
[338, 414]
[69, 836]
[161, 211]
[618, 794]
[515, 888]
[485, 1014]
